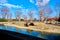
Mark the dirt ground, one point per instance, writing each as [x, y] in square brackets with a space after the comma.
[39, 26]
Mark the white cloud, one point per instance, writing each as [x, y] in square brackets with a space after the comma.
[32, 1]
[11, 5]
[42, 2]
[3, 1]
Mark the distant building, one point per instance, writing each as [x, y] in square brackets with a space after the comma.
[55, 18]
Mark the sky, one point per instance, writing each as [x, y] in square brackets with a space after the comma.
[25, 5]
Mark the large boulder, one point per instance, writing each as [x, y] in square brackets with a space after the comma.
[31, 24]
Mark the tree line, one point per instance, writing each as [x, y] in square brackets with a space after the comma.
[44, 13]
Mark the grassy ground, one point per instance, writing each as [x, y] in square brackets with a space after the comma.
[39, 26]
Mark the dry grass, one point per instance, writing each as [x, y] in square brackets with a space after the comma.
[40, 26]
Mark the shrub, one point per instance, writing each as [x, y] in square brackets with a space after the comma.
[3, 20]
[22, 19]
[14, 19]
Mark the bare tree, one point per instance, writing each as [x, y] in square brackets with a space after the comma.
[31, 17]
[41, 16]
[57, 9]
[25, 17]
[4, 12]
[0, 13]
[18, 15]
[47, 12]
[30, 13]
[9, 17]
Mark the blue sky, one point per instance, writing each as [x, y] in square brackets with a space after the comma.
[25, 5]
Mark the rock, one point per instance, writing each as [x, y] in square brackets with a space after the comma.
[26, 24]
[31, 24]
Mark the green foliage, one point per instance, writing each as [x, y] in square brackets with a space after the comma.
[15, 20]
[3, 20]
[22, 19]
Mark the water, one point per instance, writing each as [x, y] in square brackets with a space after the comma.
[32, 33]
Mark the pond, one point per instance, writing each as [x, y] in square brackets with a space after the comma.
[43, 35]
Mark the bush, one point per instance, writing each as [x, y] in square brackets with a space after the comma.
[22, 19]
[14, 19]
[3, 20]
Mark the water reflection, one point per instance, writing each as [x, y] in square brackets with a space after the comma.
[32, 33]
[0, 27]
[24, 31]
